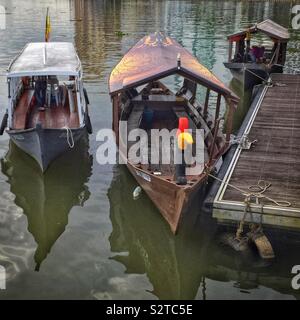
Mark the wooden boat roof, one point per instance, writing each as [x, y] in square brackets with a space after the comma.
[46, 58]
[156, 56]
[268, 27]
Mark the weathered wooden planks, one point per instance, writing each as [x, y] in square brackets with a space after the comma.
[275, 157]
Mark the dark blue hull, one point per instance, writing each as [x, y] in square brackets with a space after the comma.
[45, 145]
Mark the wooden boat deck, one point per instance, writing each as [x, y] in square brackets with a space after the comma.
[134, 121]
[274, 158]
[55, 117]
[27, 115]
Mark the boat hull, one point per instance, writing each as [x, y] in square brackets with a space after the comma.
[249, 74]
[45, 145]
[170, 199]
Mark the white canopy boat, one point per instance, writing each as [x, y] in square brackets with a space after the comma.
[47, 110]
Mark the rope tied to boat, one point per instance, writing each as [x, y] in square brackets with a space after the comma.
[256, 75]
[243, 142]
[255, 191]
[267, 82]
[70, 138]
[240, 229]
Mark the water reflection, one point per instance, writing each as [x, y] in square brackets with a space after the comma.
[193, 264]
[243, 105]
[252, 276]
[97, 33]
[47, 199]
[172, 263]
[197, 266]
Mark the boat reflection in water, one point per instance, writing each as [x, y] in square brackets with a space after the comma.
[243, 105]
[192, 264]
[172, 263]
[47, 199]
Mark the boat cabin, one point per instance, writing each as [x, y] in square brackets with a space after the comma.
[245, 48]
[45, 87]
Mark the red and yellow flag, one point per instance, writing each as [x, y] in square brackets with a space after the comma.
[48, 27]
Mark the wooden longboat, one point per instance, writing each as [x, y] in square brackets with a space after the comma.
[136, 87]
[251, 73]
[47, 110]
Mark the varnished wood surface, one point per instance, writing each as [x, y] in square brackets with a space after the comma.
[27, 115]
[55, 117]
[276, 155]
[22, 110]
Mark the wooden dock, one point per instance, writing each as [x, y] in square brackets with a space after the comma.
[275, 158]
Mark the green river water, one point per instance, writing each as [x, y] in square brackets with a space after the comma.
[76, 232]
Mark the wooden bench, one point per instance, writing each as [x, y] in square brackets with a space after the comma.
[157, 102]
[21, 111]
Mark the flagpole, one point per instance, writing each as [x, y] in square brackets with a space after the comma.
[47, 26]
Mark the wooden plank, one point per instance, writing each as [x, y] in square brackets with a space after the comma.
[275, 157]
[21, 112]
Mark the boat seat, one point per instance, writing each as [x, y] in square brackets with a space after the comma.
[135, 117]
[160, 101]
[22, 109]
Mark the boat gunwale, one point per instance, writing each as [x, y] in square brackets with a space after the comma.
[19, 131]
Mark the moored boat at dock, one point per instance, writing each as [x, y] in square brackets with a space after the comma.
[144, 102]
[47, 110]
[250, 61]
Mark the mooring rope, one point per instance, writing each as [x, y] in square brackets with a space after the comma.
[256, 191]
[267, 83]
[261, 78]
[70, 138]
[240, 229]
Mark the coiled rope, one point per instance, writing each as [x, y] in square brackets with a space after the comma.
[70, 138]
[256, 191]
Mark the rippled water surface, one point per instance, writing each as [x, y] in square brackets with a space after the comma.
[76, 231]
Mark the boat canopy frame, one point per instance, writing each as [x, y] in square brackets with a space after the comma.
[270, 28]
[46, 59]
[277, 33]
[155, 57]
